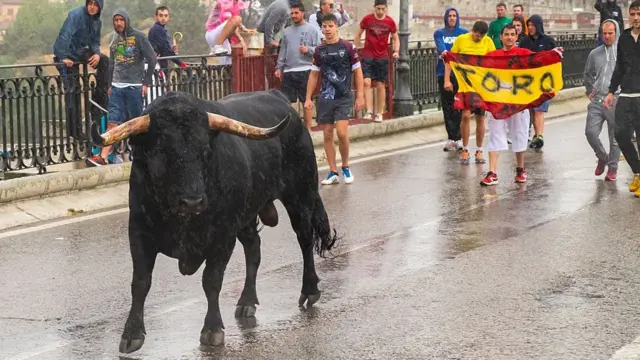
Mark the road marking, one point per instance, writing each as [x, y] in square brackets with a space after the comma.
[40, 351]
[628, 352]
[75, 220]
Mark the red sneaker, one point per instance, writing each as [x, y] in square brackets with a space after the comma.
[612, 175]
[521, 175]
[600, 167]
[490, 179]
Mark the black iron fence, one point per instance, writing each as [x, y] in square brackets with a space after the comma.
[39, 128]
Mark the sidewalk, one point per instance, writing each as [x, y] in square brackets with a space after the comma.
[50, 196]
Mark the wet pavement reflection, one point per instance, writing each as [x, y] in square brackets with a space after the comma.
[432, 266]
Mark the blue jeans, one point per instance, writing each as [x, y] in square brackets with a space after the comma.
[125, 104]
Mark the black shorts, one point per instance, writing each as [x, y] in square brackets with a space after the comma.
[375, 69]
[476, 111]
[294, 85]
[329, 110]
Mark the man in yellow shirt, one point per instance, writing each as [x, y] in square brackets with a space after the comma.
[473, 43]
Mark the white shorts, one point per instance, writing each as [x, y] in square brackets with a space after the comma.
[212, 36]
[517, 128]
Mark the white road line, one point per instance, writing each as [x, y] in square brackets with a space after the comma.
[64, 222]
[45, 349]
[628, 352]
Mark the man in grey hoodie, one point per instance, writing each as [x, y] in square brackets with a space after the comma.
[597, 76]
[128, 79]
[295, 59]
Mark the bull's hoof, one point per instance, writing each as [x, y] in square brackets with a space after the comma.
[245, 311]
[310, 299]
[128, 345]
[212, 338]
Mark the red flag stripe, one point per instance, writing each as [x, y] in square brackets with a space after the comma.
[506, 62]
[472, 100]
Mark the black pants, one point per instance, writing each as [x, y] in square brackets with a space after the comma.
[452, 117]
[74, 93]
[627, 117]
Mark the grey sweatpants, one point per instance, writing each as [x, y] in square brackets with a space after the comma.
[597, 115]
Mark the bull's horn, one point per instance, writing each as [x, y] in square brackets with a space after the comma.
[228, 125]
[120, 132]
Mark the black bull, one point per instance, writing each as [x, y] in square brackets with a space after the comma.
[203, 172]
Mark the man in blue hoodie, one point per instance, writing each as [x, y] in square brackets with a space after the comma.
[79, 41]
[444, 39]
[537, 41]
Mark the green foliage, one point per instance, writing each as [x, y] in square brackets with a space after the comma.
[189, 18]
[35, 29]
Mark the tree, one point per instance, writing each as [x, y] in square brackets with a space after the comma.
[189, 18]
[35, 29]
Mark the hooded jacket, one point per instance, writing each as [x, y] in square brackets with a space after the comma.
[445, 37]
[79, 31]
[539, 41]
[128, 52]
[609, 10]
[599, 68]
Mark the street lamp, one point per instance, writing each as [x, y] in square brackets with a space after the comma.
[402, 100]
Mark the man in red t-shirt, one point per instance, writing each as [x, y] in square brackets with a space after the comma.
[517, 125]
[377, 27]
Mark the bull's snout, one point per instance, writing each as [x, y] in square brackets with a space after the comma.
[193, 204]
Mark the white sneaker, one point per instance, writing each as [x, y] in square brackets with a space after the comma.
[378, 118]
[348, 176]
[331, 179]
[219, 50]
[368, 115]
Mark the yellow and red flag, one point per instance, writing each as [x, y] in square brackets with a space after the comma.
[505, 84]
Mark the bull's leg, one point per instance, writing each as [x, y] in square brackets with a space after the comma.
[250, 240]
[300, 217]
[212, 277]
[144, 259]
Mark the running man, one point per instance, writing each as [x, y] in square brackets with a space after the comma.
[335, 60]
[473, 43]
[517, 125]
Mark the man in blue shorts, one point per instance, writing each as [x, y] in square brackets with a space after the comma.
[336, 60]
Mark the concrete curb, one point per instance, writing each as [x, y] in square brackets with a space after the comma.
[96, 177]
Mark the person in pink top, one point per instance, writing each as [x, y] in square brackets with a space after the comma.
[224, 25]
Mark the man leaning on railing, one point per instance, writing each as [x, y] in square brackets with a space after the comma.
[79, 41]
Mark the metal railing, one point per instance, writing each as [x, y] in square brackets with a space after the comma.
[46, 122]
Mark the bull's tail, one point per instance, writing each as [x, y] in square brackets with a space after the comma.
[324, 238]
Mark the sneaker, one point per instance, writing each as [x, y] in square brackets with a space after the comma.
[612, 175]
[464, 157]
[368, 115]
[450, 146]
[600, 167]
[490, 179]
[459, 145]
[537, 142]
[219, 50]
[635, 184]
[378, 118]
[521, 175]
[96, 160]
[331, 179]
[348, 176]
[479, 158]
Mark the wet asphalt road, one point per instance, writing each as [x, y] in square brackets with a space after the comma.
[433, 266]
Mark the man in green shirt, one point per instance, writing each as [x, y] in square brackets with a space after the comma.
[495, 28]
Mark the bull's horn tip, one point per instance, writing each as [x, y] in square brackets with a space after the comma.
[96, 137]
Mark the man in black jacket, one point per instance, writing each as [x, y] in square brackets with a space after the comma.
[608, 9]
[159, 39]
[537, 41]
[626, 75]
